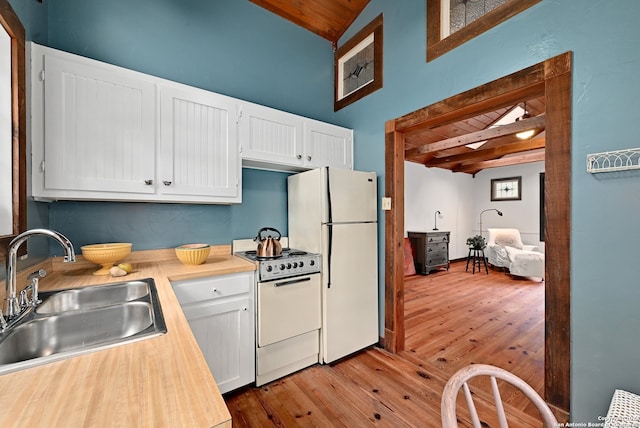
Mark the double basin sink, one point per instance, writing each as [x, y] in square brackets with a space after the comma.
[76, 321]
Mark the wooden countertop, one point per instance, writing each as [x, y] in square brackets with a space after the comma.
[158, 382]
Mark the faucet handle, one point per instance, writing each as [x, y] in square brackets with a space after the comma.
[23, 297]
[37, 274]
[33, 277]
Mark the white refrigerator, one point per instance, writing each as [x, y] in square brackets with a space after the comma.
[334, 212]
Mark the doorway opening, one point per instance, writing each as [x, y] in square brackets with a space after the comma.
[552, 80]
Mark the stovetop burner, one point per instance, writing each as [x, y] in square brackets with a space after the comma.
[290, 263]
[286, 252]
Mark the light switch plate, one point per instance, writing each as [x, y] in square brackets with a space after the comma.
[386, 204]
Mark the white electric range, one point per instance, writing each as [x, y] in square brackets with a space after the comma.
[288, 310]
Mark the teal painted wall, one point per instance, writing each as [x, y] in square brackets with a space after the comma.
[150, 226]
[603, 37]
[230, 47]
[235, 48]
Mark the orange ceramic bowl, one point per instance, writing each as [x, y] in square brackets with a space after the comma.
[106, 254]
[193, 254]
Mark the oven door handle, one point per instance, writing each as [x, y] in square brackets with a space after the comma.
[293, 281]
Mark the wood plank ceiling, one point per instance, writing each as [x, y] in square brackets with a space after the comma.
[327, 18]
[445, 145]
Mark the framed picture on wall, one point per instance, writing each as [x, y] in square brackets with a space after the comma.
[506, 189]
[358, 65]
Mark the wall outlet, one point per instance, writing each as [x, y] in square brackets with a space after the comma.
[386, 204]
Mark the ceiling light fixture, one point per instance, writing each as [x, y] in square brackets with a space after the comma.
[528, 133]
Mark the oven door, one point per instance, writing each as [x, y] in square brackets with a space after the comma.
[288, 308]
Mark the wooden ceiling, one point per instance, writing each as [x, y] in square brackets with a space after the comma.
[327, 18]
[444, 145]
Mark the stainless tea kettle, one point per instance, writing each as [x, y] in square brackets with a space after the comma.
[268, 246]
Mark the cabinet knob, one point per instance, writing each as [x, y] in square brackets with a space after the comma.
[148, 182]
[214, 290]
[244, 309]
[299, 156]
[308, 158]
[166, 183]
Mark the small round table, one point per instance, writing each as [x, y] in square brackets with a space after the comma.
[476, 257]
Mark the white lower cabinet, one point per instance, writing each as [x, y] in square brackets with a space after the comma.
[220, 311]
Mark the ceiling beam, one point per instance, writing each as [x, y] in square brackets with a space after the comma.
[506, 161]
[443, 160]
[484, 134]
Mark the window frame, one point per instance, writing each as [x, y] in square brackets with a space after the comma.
[437, 46]
[12, 25]
[374, 28]
[495, 188]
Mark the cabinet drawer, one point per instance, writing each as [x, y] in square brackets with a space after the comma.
[437, 254]
[437, 237]
[431, 248]
[196, 290]
[437, 259]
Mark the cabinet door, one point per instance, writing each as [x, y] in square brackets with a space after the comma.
[98, 127]
[327, 145]
[198, 144]
[225, 335]
[269, 137]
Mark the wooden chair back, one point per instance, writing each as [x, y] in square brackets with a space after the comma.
[460, 380]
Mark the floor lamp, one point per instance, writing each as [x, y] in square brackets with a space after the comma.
[484, 211]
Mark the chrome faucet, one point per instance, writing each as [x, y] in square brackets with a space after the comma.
[12, 306]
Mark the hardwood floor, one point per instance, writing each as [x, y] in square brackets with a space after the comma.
[453, 318]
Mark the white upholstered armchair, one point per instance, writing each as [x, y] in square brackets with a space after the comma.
[505, 249]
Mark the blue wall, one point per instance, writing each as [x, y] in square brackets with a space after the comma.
[603, 36]
[150, 226]
[234, 47]
[227, 46]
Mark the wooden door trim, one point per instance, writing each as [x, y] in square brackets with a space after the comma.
[551, 78]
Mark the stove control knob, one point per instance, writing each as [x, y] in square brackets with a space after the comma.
[269, 268]
[301, 264]
[295, 265]
[282, 267]
[288, 265]
[312, 262]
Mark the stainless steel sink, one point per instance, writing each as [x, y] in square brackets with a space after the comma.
[77, 321]
[92, 297]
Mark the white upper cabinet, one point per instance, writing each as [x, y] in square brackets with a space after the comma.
[281, 141]
[270, 137]
[327, 145]
[198, 143]
[99, 127]
[101, 132]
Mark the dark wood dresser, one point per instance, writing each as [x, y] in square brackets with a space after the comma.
[431, 250]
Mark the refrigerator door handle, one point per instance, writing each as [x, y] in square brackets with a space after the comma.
[329, 248]
[330, 230]
[329, 208]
